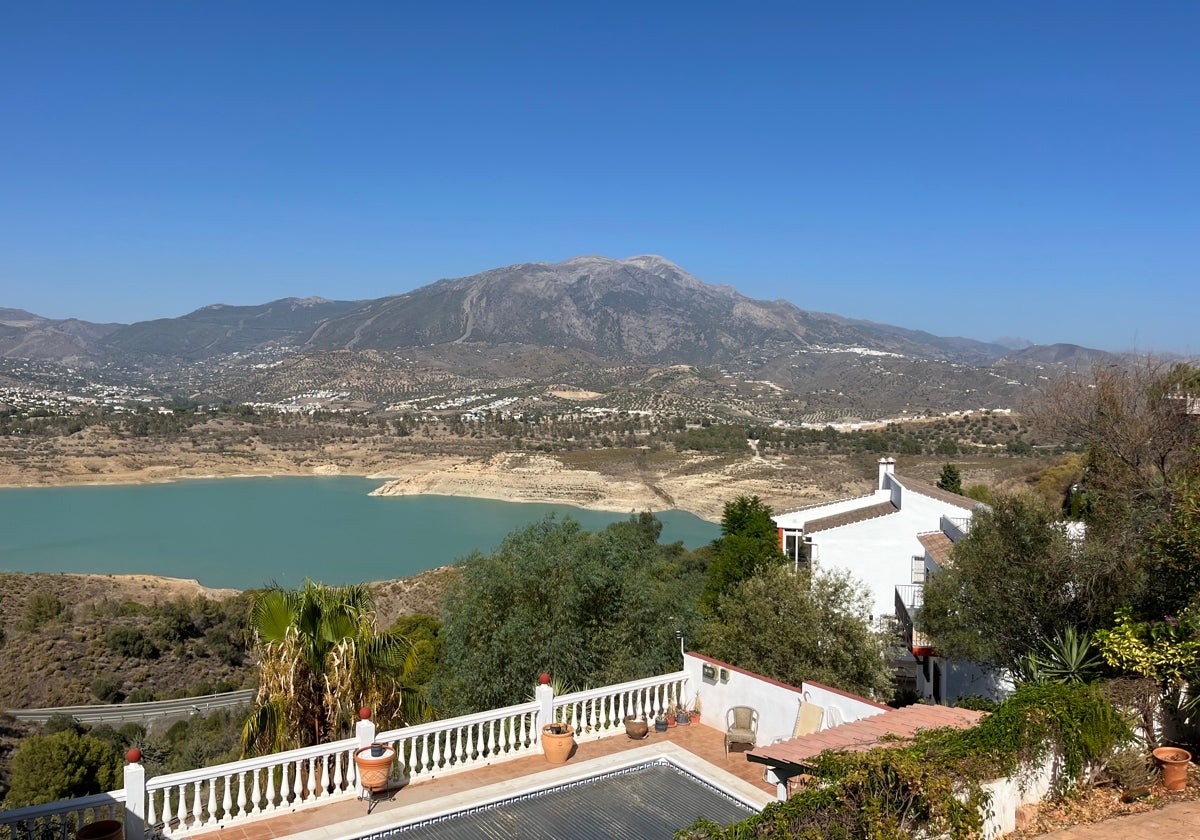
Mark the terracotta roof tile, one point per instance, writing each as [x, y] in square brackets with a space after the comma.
[937, 545]
[935, 492]
[865, 734]
[837, 520]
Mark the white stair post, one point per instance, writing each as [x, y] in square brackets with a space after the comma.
[544, 695]
[135, 796]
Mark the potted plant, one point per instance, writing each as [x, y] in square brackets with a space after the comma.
[661, 722]
[682, 716]
[558, 740]
[636, 727]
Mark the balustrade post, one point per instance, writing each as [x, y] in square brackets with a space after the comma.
[544, 695]
[364, 730]
[135, 796]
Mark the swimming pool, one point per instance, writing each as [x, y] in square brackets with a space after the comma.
[653, 798]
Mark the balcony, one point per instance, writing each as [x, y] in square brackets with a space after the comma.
[955, 527]
[909, 599]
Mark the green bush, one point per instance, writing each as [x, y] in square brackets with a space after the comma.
[130, 641]
[107, 689]
[43, 607]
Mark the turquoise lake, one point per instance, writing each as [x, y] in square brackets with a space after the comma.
[248, 532]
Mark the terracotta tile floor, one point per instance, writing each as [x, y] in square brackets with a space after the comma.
[702, 741]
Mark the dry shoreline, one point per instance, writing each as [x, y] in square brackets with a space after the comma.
[696, 484]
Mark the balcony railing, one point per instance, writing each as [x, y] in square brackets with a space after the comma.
[177, 804]
[909, 599]
[955, 527]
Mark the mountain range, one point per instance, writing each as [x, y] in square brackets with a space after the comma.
[585, 313]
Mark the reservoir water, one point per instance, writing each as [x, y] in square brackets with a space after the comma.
[244, 533]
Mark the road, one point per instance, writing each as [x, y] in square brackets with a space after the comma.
[120, 713]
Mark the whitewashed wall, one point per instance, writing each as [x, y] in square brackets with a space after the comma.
[777, 703]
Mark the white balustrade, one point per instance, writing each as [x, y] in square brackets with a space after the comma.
[599, 712]
[211, 797]
[176, 804]
[434, 749]
[61, 819]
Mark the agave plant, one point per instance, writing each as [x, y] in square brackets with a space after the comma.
[1070, 657]
[321, 659]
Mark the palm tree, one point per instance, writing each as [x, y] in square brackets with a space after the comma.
[321, 658]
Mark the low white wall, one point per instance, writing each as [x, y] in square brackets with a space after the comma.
[777, 703]
[851, 706]
[1007, 795]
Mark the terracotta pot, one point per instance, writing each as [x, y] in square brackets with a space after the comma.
[374, 771]
[100, 830]
[636, 728]
[558, 739]
[1174, 764]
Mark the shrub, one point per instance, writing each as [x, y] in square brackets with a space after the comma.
[129, 641]
[107, 689]
[43, 607]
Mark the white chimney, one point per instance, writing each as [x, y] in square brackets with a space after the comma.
[887, 466]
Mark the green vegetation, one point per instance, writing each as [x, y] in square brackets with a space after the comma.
[825, 633]
[1016, 581]
[42, 609]
[1026, 588]
[932, 787]
[321, 660]
[749, 541]
[951, 479]
[62, 765]
[589, 608]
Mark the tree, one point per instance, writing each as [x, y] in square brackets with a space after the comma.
[65, 765]
[951, 480]
[749, 541]
[1015, 582]
[1173, 578]
[589, 608]
[321, 659]
[794, 627]
[1141, 448]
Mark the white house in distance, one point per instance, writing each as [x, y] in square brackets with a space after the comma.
[876, 537]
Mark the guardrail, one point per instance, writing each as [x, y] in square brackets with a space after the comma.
[126, 712]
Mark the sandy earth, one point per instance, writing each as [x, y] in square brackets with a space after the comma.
[698, 485]
[605, 480]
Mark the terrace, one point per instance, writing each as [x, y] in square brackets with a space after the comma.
[447, 766]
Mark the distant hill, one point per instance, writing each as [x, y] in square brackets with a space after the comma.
[24, 335]
[598, 322]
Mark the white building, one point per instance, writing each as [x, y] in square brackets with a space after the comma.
[876, 537]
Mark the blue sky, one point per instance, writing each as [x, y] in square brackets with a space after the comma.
[982, 169]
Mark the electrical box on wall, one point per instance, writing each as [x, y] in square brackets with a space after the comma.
[724, 675]
[709, 672]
